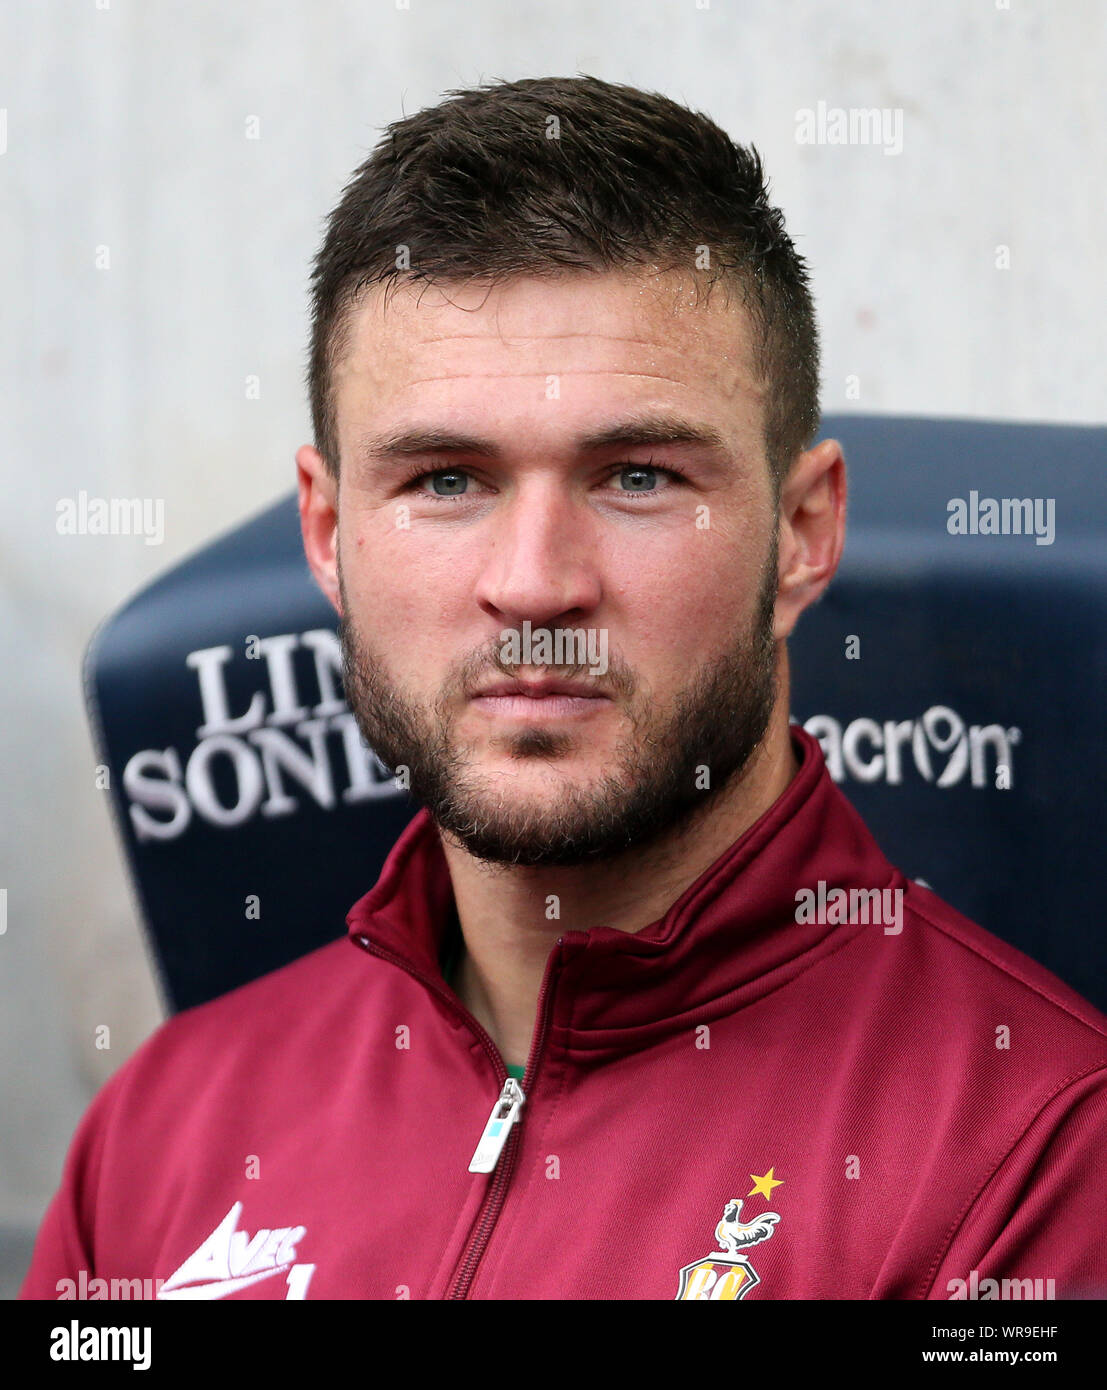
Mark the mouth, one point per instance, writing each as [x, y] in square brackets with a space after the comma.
[537, 700]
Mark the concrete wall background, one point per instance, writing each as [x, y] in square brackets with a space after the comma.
[125, 127]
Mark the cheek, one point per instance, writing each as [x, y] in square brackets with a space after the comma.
[393, 578]
[409, 601]
[675, 612]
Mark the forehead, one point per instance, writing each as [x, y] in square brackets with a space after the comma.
[617, 339]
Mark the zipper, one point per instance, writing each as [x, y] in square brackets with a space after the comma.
[499, 1140]
[497, 1131]
[494, 1200]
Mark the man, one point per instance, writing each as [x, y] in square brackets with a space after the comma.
[594, 1039]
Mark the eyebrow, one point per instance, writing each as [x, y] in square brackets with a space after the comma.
[637, 430]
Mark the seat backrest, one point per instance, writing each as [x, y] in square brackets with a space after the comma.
[952, 676]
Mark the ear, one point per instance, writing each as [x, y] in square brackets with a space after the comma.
[318, 503]
[812, 530]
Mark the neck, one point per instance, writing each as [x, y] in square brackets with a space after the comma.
[503, 911]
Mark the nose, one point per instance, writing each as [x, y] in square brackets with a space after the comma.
[542, 560]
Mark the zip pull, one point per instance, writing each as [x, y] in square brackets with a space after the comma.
[504, 1114]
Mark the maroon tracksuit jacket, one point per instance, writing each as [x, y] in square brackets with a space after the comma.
[731, 1102]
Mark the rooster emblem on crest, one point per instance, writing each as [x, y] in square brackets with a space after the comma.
[726, 1273]
[734, 1235]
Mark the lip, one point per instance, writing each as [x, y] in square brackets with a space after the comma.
[539, 700]
[538, 690]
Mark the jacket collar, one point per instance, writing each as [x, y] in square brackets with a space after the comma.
[729, 938]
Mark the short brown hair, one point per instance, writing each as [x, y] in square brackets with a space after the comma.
[550, 174]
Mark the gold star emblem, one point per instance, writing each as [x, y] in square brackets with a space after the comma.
[764, 1185]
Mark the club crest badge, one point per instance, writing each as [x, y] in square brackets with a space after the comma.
[727, 1273]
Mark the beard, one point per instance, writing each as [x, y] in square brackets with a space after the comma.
[668, 768]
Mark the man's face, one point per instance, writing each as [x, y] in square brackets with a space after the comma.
[672, 578]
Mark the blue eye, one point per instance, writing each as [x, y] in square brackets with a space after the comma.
[451, 478]
[647, 477]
